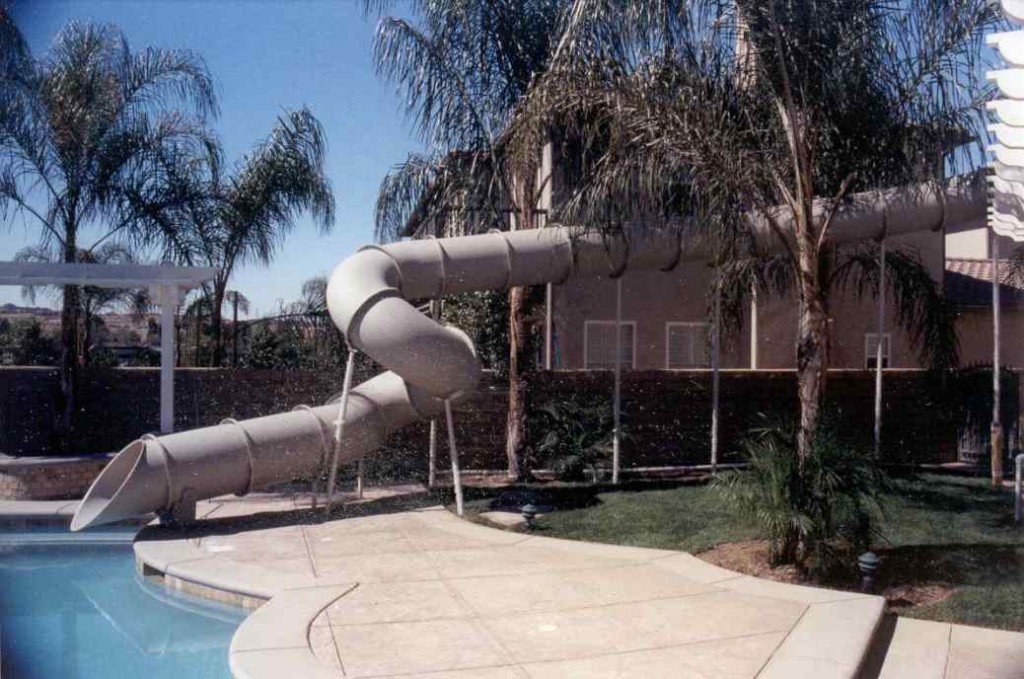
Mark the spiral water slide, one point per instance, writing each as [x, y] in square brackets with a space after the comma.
[370, 297]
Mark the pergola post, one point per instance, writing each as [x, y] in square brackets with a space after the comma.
[168, 297]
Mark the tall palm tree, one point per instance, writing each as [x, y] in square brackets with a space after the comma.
[90, 146]
[193, 314]
[463, 68]
[245, 216]
[707, 115]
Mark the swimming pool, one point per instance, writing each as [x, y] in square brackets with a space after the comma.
[77, 608]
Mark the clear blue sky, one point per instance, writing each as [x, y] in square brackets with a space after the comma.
[265, 56]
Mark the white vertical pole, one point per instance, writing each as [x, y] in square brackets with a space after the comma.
[879, 353]
[754, 332]
[617, 395]
[716, 329]
[339, 429]
[997, 428]
[359, 479]
[432, 450]
[546, 177]
[454, 454]
[168, 297]
[548, 325]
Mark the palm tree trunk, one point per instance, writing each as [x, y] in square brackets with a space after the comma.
[216, 323]
[515, 429]
[199, 328]
[68, 362]
[234, 331]
[177, 340]
[69, 343]
[812, 343]
[87, 328]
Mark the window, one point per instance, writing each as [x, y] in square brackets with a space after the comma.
[599, 345]
[686, 345]
[871, 350]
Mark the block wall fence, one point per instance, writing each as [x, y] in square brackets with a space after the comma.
[667, 413]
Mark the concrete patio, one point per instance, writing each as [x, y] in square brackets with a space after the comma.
[397, 588]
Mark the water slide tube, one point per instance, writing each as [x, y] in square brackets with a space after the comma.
[369, 297]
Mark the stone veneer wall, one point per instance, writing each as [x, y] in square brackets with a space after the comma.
[666, 412]
[48, 479]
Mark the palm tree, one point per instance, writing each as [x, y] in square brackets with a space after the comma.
[193, 313]
[238, 302]
[707, 117]
[90, 146]
[328, 345]
[463, 68]
[93, 300]
[246, 216]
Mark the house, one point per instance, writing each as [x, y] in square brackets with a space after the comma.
[666, 319]
[665, 315]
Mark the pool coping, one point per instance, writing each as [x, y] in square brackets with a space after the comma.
[832, 637]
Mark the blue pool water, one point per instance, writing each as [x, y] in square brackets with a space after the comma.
[75, 609]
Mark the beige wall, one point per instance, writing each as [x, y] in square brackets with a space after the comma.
[652, 299]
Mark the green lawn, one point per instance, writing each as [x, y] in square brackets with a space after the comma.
[938, 529]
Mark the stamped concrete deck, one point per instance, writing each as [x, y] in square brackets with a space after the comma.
[396, 588]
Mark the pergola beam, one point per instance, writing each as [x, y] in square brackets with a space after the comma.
[167, 286]
[103, 275]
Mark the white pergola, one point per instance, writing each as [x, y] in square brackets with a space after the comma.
[167, 286]
[1006, 200]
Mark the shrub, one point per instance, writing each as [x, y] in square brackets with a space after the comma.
[572, 435]
[814, 514]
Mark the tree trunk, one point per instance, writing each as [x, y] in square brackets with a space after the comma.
[216, 323]
[812, 339]
[199, 329]
[68, 362]
[234, 331]
[87, 337]
[515, 430]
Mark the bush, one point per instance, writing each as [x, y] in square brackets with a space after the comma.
[572, 435]
[814, 515]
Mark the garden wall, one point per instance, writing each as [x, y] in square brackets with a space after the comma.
[666, 413]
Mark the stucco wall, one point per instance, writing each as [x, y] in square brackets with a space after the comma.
[652, 298]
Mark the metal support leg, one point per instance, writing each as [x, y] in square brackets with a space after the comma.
[454, 452]
[339, 431]
[432, 456]
[435, 306]
[359, 479]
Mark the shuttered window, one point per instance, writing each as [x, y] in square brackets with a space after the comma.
[599, 345]
[686, 346]
[871, 350]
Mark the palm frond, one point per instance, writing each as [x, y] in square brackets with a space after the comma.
[921, 309]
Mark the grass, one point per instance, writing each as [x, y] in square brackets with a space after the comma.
[939, 530]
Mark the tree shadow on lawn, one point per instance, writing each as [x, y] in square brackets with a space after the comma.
[953, 565]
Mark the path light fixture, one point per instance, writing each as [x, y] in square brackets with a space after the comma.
[529, 512]
[868, 564]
